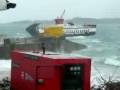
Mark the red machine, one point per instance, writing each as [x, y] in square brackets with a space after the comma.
[35, 71]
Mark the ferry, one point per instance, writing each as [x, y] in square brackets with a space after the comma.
[68, 29]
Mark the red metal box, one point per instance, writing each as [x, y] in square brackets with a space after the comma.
[34, 71]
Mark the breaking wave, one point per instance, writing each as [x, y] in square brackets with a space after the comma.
[114, 60]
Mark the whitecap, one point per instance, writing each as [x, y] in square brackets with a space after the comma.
[76, 37]
[96, 41]
[112, 61]
[5, 68]
[5, 64]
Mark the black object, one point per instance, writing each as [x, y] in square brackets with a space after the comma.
[71, 23]
[43, 47]
[5, 84]
[72, 79]
[11, 5]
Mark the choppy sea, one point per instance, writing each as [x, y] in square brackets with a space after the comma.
[103, 48]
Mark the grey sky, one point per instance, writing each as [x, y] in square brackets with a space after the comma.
[49, 9]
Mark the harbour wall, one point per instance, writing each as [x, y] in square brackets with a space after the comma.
[31, 44]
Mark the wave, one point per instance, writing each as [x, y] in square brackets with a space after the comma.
[90, 40]
[20, 35]
[5, 64]
[76, 37]
[85, 40]
[112, 61]
[5, 68]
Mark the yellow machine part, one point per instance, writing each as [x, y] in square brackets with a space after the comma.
[53, 31]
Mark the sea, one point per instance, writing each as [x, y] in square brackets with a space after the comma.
[103, 48]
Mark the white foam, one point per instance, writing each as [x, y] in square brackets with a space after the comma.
[96, 40]
[5, 68]
[76, 37]
[112, 61]
[88, 40]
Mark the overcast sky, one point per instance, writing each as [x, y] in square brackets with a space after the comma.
[49, 9]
